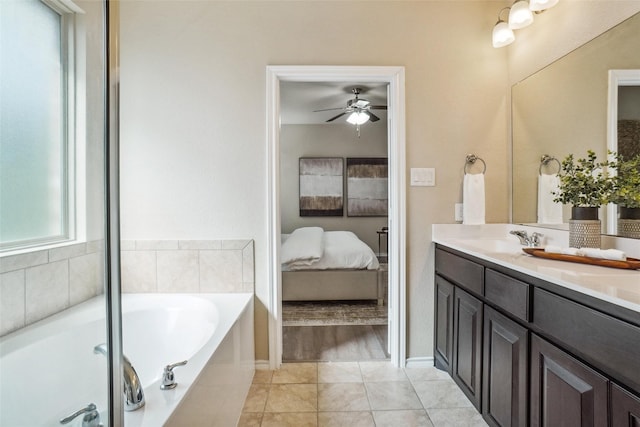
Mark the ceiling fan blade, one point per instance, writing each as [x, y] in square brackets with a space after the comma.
[378, 107]
[373, 117]
[328, 109]
[333, 118]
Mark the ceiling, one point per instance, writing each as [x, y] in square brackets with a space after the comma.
[298, 100]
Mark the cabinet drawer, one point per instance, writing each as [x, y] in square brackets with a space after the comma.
[625, 408]
[463, 272]
[606, 342]
[507, 293]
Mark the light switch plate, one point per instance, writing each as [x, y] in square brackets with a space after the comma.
[425, 177]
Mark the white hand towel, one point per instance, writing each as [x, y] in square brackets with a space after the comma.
[610, 254]
[549, 212]
[473, 199]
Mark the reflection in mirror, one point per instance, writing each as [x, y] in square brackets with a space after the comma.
[563, 109]
[623, 133]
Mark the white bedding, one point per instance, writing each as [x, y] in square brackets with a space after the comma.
[340, 250]
[303, 247]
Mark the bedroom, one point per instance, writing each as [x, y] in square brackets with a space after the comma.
[350, 308]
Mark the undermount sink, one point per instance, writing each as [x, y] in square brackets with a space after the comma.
[492, 245]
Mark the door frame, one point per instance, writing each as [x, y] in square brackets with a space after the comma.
[394, 76]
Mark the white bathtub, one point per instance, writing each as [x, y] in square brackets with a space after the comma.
[49, 370]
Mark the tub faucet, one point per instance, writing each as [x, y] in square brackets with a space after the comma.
[132, 390]
[526, 240]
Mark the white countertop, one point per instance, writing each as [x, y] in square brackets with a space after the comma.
[493, 243]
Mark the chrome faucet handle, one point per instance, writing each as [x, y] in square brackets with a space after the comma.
[536, 239]
[168, 378]
[91, 416]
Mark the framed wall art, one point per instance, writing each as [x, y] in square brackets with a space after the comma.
[321, 186]
[367, 186]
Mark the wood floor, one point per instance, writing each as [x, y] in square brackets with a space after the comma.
[341, 343]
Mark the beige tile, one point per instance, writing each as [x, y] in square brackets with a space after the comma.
[342, 397]
[139, 271]
[178, 271]
[381, 371]
[156, 245]
[392, 395]
[262, 376]
[200, 244]
[12, 301]
[257, 398]
[29, 259]
[250, 420]
[290, 419]
[404, 418]
[221, 271]
[455, 417]
[66, 252]
[95, 246]
[292, 398]
[47, 290]
[127, 245]
[296, 373]
[235, 244]
[339, 372]
[248, 266]
[440, 394]
[426, 374]
[345, 419]
[85, 277]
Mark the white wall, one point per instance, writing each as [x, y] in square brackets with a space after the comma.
[328, 140]
[193, 131]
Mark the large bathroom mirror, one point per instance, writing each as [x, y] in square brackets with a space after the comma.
[564, 108]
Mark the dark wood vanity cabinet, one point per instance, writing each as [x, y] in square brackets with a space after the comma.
[530, 353]
[467, 344]
[443, 324]
[504, 373]
[565, 392]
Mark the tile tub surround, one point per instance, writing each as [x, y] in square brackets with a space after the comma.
[356, 394]
[187, 266]
[40, 283]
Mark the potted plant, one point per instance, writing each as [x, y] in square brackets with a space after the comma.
[585, 185]
[625, 193]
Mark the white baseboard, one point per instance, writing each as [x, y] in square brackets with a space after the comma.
[262, 364]
[419, 362]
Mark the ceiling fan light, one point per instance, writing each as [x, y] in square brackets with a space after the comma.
[520, 15]
[358, 118]
[502, 35]
[539, 5]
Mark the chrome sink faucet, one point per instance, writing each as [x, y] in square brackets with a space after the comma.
[531, 241]
[132, 390]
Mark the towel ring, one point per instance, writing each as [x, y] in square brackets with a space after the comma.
[471, 159]
[544, 161]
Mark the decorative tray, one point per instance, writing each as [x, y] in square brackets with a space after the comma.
[629, 264]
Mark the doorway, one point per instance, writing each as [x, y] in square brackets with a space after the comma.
[394, 77]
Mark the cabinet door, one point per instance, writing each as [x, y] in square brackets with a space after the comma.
[504, 377]
[625, 408]
[467, 345]
[444, 324]
[564, 392]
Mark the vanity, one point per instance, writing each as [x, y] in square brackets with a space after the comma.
[533, 341]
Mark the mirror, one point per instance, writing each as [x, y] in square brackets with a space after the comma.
[563, 109]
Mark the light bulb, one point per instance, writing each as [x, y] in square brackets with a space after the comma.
[502, 35]
[538, 5]
[358, 118]
[520, 15]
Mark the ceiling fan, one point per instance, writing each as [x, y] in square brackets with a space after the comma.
[359, 110]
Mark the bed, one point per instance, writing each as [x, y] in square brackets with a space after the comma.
[320, 265]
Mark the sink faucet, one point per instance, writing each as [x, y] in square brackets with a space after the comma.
[133, 393]
[526, 240]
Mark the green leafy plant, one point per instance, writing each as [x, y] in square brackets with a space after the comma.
[583, 182]
[625, 191]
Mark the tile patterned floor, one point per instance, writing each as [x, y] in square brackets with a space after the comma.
[356, 394]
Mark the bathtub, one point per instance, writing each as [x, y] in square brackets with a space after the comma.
[49, 370]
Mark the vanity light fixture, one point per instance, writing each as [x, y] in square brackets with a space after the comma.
[502, 34]
[540, 5]
[520, 15]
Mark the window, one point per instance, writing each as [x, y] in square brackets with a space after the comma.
[37, 152]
